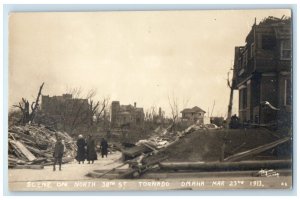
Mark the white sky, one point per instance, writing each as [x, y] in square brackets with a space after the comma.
[141, 57]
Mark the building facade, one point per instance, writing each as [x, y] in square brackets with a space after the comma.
[262, 72]
[126, 115]
[66, 112]
[193, 115]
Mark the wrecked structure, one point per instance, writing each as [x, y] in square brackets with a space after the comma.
[193, 115]
[200, 149]
[126, 115]
[32, 146]
[262, 73]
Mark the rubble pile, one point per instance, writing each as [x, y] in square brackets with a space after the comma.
[146, 154]
[199, 148]
[162, 138]
[34, 145]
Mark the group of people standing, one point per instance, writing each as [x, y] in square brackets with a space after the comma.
[86, 149]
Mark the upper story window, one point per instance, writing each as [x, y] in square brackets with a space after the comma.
[268, 42]
[285, 50]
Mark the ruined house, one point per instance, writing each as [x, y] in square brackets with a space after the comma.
[193, 115]
[126, 115]
[262, 72]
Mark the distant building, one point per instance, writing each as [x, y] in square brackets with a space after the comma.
[126, 115]
[57, 104]
[194, 115]
[262, 72]
[66, 111]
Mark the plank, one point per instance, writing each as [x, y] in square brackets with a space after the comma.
[226, 166]
[256, 150]
[23, 150]
[29, 167]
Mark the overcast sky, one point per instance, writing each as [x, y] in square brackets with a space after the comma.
[141, 57]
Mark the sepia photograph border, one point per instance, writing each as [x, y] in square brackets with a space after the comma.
[8, 8]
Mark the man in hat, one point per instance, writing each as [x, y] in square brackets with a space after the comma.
[58, 153]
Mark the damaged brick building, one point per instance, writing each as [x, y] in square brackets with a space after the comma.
[126, 115]
[66, 113]
[262, 72]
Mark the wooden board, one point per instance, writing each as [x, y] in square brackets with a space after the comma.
[227, 166]
[29, 167]
[23, 150]
[256, 150]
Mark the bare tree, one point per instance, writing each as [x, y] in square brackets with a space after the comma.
[151, 113]
[101, 114]
[173, 103]
[83, 109]
[27, 115]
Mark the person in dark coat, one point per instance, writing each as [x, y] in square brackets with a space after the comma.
[91, 150]
[104, 147]
[81, 153]
[58, 153]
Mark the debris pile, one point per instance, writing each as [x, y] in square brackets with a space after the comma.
[32, 145]
[199, 148]
[162, 138]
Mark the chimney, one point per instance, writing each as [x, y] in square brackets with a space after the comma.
[159, 112]
[135, 104]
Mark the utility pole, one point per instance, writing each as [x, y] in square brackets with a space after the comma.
[213, 108]
[229, 111]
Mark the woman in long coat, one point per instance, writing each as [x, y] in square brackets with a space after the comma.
[80, 149]
[104, 147]
[91, 150]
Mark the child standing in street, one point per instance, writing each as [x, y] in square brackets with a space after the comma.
[58, 153]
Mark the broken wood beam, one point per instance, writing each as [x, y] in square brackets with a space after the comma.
[100, 175]
[29, 167]
[135, 172]
[111, 170]
[21, 148]
[256, 150]
[226, 166]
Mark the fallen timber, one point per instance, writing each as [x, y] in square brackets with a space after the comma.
[23, 150]
[149, 160]
[29, 167]
[256, 150]
[95, 174]
[34, 144]
[226, 166]
[138, 171]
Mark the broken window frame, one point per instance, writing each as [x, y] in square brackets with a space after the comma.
[268, 42]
